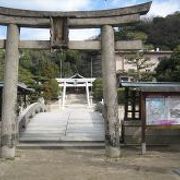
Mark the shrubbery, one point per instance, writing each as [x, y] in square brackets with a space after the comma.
[98, 92]
[98, 89]
[121, 95]
[51, 89]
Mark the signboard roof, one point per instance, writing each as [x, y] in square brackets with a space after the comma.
[153, 86]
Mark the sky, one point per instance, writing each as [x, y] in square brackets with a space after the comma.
[158, 8]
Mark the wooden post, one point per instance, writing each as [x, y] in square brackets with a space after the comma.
[9, 129]
[110, 93]
[64, 95]
[143, 121]
[87, 95]
[126, 103]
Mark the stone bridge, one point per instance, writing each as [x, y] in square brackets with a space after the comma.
[75, 122]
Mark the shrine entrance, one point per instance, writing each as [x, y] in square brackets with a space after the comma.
[76, 81]
[59, 24]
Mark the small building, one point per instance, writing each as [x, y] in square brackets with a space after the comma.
[154, 58]
[152, 113]
[23, 91]
[122, 67]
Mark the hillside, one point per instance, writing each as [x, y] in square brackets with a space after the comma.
[157, 32]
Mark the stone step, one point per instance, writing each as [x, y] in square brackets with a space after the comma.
[62, 139]
[71, 124]
[68, 145]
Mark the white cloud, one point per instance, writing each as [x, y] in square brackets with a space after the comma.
[43, 34]
[3, 30]
[158, 7]
[34, 34]
[123, 3]
[163, 8]
[67, 5]
[50, 5]
[83, 34]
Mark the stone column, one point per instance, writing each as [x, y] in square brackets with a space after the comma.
[110, 93]
[9, 123]
[87, 94]
[64, 95]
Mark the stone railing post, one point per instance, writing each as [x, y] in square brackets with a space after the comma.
[110, 92]
[9, 124]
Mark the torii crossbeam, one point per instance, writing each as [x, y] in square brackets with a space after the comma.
[59, 23]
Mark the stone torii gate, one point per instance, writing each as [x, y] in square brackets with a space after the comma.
[75, 81]
[59, 23]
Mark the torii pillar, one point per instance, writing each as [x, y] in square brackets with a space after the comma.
[110, 92]
[9, 130]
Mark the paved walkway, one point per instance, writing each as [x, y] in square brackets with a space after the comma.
[73, 123]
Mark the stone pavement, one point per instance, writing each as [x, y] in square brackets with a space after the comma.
[73, 123]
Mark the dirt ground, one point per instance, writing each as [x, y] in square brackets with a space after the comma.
[160, 163]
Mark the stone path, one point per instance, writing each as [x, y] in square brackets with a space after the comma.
[71, 124]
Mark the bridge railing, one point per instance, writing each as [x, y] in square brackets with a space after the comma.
[27, 114]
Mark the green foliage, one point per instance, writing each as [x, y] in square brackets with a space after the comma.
[25, 76]
[2, 57]
[158, 32]
[140, 63]
[37, 69]
[169, 68]
[121, 95]
[98, 92]
[49, 70]
[51, 89]
[136, 35]
[71, 62]
[25, 59]
[98, 89]
[164, 32]
[72, 56]
[147, 76]
[130, 33]
[122, 34]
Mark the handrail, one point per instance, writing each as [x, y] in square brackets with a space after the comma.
[27, 114]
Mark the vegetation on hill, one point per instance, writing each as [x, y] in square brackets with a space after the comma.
[157, 32]
[169, 68]
[39, 68]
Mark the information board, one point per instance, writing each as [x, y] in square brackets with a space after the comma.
[163, 111]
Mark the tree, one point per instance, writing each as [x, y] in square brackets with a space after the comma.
[157, 32]
[98, 89]
[169, 68]
[130, 33]
[140, 63]
[72, 58]
[2, 57]
[164, 32]
[25, 76]
[51, 89]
